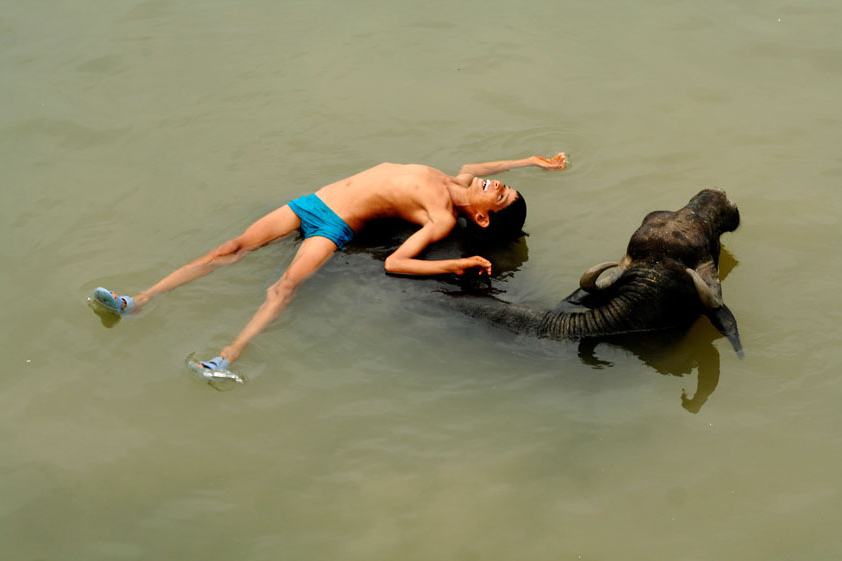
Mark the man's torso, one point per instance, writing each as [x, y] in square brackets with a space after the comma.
[411, 192]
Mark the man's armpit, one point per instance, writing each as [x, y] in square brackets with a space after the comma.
[440, 226]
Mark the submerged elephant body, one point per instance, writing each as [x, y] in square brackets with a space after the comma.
[667, 278]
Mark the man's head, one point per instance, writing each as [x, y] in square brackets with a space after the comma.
[496, 212]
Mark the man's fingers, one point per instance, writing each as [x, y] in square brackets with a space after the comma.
[484, 265]
[557, 161]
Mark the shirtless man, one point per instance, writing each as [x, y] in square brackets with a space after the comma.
[329, 218]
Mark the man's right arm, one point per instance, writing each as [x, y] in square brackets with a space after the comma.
[403, 261]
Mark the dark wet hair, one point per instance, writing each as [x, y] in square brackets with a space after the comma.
[503, 225]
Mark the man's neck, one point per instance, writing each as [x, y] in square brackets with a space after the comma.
[458, 196]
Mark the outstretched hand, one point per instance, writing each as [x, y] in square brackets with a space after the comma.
[559, 161]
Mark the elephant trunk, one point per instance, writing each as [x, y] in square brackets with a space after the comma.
[518, 319]
[645, 299]
[610, 318]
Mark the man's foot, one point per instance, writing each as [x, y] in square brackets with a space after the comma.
[213, 370]
[112, 302]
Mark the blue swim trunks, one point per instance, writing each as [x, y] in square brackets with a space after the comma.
[318, 220]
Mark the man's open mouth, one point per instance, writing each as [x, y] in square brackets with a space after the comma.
[485, 184]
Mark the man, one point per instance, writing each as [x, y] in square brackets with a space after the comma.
[329, 218]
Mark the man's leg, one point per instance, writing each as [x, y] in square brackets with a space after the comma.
[274, 225]
[313, 253]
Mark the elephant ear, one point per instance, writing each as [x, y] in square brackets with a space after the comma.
[603, 275]
[706, 280]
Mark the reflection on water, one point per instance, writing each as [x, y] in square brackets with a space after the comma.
[108, 318]
[675, 352]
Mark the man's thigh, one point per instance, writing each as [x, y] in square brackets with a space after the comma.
[276, 224]
[311, 255]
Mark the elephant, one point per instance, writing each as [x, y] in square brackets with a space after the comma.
[668, 277]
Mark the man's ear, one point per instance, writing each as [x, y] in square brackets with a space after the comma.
[481, 219]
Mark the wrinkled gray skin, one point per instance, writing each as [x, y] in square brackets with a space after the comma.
[668, 277]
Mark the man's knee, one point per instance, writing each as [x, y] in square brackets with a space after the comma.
[232, 249]
[281, 290]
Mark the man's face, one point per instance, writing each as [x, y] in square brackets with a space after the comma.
[490, 194]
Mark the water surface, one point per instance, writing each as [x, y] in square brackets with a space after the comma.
[136, 135]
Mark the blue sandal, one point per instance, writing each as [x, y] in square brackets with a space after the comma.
[112, 302]
[213, 370]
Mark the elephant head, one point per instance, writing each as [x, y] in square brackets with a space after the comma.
[667, 277]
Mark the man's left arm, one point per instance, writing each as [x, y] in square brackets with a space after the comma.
[469, 171]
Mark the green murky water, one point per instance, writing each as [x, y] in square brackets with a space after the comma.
[136, 135]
